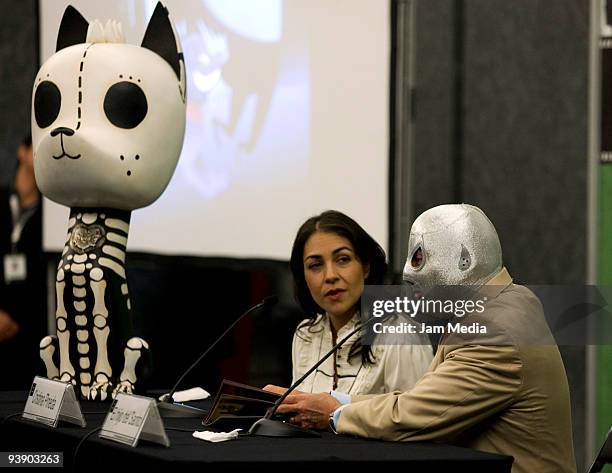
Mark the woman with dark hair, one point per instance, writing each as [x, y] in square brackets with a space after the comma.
[331, 261]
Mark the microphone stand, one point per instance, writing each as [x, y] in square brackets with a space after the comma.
[167, 407]
[268, 427]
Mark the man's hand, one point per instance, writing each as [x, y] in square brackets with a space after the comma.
[8, 327]
[311, 411]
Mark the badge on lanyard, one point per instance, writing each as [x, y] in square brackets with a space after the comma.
[15, 264]
[15, 268]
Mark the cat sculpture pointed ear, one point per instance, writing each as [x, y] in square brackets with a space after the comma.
[108, 118]
[161, 39]
[72, 30]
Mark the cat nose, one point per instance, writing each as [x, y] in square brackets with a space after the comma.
[63, 130]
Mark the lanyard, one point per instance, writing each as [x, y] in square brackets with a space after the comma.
[20, 218]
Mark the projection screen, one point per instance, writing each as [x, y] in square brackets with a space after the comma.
[287, 116]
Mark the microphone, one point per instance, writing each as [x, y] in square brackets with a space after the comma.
[267, 427]
[167, 404]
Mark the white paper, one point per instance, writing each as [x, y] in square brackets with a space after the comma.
[193, 394]
[216, 436]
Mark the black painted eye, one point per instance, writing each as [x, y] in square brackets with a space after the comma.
[125, 104]
[47, 103]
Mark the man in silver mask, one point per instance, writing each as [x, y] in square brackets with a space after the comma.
[508, 398]
[452, 245]
[453, 251]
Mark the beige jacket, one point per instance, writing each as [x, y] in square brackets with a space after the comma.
[511, 399]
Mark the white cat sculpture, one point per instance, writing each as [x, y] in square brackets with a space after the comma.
[108, 120]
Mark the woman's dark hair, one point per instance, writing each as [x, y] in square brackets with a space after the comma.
[370, 254]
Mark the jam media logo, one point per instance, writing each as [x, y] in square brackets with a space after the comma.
[32, 390]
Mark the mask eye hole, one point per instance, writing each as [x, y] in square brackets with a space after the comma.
[47, 103]
[125, 105]
[418, 259]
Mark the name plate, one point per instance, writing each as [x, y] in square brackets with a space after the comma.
[50, 401]
[132, 418]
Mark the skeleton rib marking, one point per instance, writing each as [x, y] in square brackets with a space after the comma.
[115, 252]
[116, 238]
[110, 264]
[117, 224]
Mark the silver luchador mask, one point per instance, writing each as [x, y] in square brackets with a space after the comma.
[458, 246]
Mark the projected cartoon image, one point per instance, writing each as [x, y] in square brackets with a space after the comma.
[108, 120]
[229, 112]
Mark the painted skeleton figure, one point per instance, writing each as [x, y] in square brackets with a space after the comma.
[108, 121]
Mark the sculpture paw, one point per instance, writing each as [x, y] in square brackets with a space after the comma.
[123, 387]
[48, 347]
[101, 389]
[67, 377]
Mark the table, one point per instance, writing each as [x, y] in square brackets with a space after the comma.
[250, 454]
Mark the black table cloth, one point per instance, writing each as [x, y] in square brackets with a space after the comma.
[187, 453]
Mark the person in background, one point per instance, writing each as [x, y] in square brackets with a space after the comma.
[22, 275]
[331, 261]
